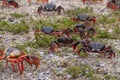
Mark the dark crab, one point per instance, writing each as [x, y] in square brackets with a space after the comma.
[49, 30]
[85, 18]
[95, 47]
[85, 32]
[61, 41]
[113, 4]
[50, 7]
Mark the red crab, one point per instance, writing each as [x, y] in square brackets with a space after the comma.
[9, 2]
[49, 30]
[61, 41]
[16, 56]
[85, 32]
[95, 47]
[113, 4]
[85, 18]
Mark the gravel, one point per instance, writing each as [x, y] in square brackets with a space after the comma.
[53, 66]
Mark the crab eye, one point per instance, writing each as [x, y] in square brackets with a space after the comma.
[98, 49]
[93, 49]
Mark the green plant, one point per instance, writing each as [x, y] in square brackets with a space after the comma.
[83, 70]
[76, 11]
[109, 77]
[43, 40]
[106, 20]
[15, 28]
[22, 47]
[74, 71]
[62, 23]
[103, 34]
[16, 15]
[57, 73]
[82, 55]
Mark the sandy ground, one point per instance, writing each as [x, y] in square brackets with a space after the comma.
[51, 63]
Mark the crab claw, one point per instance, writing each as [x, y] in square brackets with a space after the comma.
[75, 19]
[111, 54]
[33, 60]
[39, 10]
[59, 9]
[94, 19]
[53, 47]
[74, 46]
[37, 31]
[2, 56]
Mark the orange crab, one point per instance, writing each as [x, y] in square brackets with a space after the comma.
[16, 56]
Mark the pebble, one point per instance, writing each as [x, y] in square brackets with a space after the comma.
[102, 64]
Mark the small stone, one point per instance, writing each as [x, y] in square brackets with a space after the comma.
[102, 64]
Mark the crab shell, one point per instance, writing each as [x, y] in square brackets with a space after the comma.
[49, 7]
[12, 53]
[83, 17]
[65, 40]
[47, 29]
[96, 46]
[80, 26]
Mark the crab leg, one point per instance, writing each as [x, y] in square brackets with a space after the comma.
[12, 62]
[112, 54]
[19, 67]
[22, 65]
[54, 50]
[13, 66]
[2, 55]
[26, 58]
[53, 47]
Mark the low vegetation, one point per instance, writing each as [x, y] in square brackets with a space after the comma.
[14, 28]
[16, 15]
[82, 70]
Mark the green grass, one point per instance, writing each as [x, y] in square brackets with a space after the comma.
[109, 77]
[82, 70]
[74, 71]
[109, 35]
[106, 20]
[22, 47]
[16, 15]
[73, 12]
[57, 24]
[43, 40]
[14, 28]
